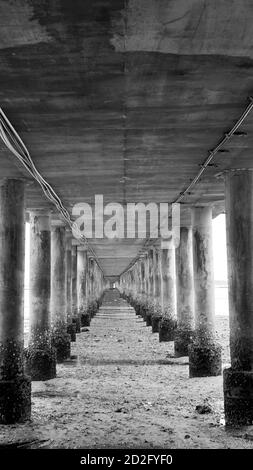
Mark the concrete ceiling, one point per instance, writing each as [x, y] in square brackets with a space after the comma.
[125, 98]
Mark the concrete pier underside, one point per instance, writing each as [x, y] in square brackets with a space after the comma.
[125, 100]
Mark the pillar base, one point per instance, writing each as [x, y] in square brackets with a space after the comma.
[155, 324]
[15, 400]
[71, 330]
[77, 321]
[167, 328]
[238, 397]
[85, 319]
[204, 359]
[148, 319]
[40, 364]
[60, 340]
[183, 339]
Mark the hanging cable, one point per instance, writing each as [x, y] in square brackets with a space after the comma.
[17, 147]
[204, 165]
[212, 153]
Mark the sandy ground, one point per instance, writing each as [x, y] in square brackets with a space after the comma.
[123, 389]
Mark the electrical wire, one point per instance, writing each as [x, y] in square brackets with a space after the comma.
[213, 152]
[204, 165]
[17, 147]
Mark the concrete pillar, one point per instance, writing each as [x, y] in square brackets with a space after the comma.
[204, 352]
[185, 293]
[142, 277]
[88, 279]
[151, 274]
[75, 316]
[41, 356]
[82, 303]
[157, 276]
[135, 285]
[15, 387]
[156, 306]
[168, 322]
[60, 337]
[91, 278]
[71, 327]
[92, 307]
[146, 275]
[238, 380]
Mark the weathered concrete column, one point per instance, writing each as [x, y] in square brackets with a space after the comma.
[136, 284]
[88, 280]
[60, 337]
[238, 380]
[71, 327]
[15, 387]
[82, 264]
[168, 322]
[185, 292]
[75, 316]
[41, 356]
[142, 276]
[146, 275]
[157, 307]
[157, 276]
[148, 309]
[204, 352]
[91, 277]
[151, 274]
[92, 308]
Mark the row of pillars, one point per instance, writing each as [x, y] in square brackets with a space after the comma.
[66, 286]
[177, 287]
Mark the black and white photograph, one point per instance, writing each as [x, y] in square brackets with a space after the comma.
[126, 231]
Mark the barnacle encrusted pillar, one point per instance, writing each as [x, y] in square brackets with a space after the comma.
[204, 352]
[238, 380]
[60, 337]
[82, 303]
[75, 317]
[15, 387]
[168, 322]
[185, 292]
[71, 327]
[41, 356]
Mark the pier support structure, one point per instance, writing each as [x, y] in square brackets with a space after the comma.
[40, 355]
[168, 322]
[60, 337]
[71, 327]
[75, 316]
[15, 386]
[185, 292]
[82, 301]
[238, 380]
[204, 352]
